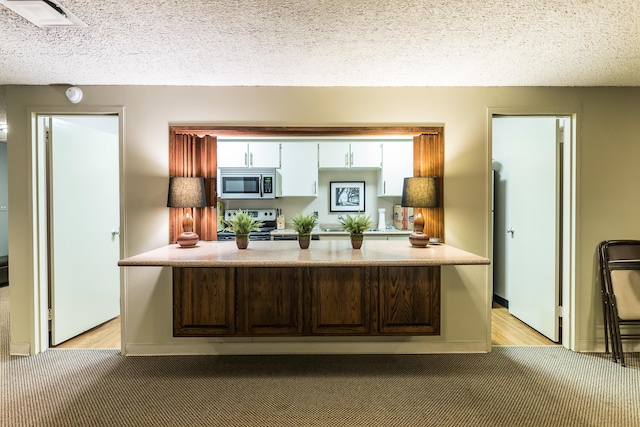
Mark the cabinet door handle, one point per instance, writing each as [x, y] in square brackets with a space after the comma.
[384, 187]
[351, 159]
[315, 188]
[115, 232]
[246, 163]
[251, 159]
[346, 159]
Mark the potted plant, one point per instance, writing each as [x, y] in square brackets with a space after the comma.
[303, 224]
[356, 225]
[242, 223]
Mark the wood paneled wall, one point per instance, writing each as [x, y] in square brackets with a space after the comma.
[428, 160]
[191, 155]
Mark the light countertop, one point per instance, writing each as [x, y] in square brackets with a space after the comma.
[320, 253]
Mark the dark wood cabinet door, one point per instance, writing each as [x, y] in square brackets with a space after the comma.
[203, 301]
[268, 301]
[409, 300]
[271, 300]
[340, 300]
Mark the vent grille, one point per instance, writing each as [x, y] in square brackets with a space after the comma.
[44, 13]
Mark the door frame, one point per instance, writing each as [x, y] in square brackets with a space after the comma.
[39, 210]
[570, 173]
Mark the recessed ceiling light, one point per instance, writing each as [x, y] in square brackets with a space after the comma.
[44, 13]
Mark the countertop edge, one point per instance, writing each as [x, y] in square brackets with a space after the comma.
[390, 263]
[288, 254]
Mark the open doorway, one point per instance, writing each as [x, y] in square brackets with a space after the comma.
[4, 230]
[79, 210]
[531, 162]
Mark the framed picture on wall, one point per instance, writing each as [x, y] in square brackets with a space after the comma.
[346, 196]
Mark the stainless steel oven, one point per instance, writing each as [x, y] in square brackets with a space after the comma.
[294, 237]
[267, 216]
[246, 183]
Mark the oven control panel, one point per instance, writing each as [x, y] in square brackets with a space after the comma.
[263, 215]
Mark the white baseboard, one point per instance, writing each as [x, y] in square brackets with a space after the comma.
[305, 347]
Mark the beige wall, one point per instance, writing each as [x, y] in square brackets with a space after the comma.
[608, 149]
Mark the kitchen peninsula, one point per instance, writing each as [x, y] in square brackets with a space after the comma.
[275, 289]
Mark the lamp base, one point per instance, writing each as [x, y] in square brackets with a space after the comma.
[188, 239]
[419, 239]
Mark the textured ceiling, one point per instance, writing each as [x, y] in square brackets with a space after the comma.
[329, 43]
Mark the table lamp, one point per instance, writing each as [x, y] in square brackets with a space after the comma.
[420, 192]
[187, 193]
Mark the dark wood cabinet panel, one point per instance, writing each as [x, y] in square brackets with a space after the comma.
[409, 300]
[340, 300]
[203, 301]
[271, 300]
[298, 301]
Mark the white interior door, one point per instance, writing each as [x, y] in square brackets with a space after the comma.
[4, 201]
[527, 147]
[84, 209]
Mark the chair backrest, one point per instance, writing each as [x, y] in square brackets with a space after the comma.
[620, 267]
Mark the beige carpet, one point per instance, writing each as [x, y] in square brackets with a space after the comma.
[512, 386]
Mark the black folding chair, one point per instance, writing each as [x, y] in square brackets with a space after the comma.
[620, 280]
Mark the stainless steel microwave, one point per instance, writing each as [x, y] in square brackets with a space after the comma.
[246, 183]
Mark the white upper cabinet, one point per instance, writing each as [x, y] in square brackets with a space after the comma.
[340, 154]
[298, 174]
[365, 154]
[233, 154]
[333, 154]
[264, 155]
[242, 154]
[297, 161]
[397, 164]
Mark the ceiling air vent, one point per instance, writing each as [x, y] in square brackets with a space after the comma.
[44, 13]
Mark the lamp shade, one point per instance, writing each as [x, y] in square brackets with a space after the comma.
[186, 192]
[420, 192]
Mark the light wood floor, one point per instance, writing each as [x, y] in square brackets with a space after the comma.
[106, 335]
[505, 330]
[508, 330]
